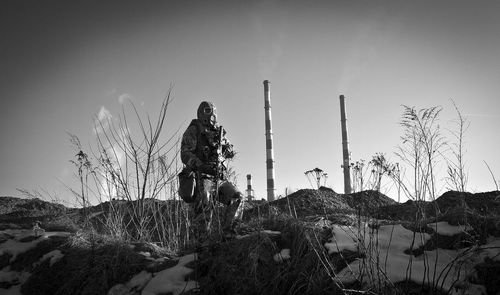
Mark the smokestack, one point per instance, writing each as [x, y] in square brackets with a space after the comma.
[249, 187]
[269, 143]
[345, 147]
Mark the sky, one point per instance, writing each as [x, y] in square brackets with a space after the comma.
[64, 63]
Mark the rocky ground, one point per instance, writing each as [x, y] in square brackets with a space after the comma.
[311, 242]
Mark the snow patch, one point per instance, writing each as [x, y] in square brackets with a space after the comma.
[139, 281]
[135, 284]
[353, 239]
[18, 234]
[145, 254]
[13, 277]
[344, 238]
[14, 290]
[282, 256]
[15, 247]
[8, 276]
[56, 234]
[389, 258]
[265, 232]
[172, 280]
[54, 257]
[445, 229]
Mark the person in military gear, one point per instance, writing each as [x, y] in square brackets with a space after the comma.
[204, 148]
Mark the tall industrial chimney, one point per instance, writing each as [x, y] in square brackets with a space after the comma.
[249, 187]
[345, 147]
[269, 143]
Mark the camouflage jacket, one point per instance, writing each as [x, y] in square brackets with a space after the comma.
[200, 146]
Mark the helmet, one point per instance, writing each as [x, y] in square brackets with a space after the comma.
[207, 113]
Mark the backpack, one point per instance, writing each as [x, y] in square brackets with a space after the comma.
[187, 185]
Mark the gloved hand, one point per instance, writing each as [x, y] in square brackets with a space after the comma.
[227, 151]
[207, 168]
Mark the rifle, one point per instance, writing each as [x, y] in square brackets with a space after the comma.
[220, 159]
[219, 174]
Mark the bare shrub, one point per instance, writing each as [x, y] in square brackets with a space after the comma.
[131, 173]
[368, 176]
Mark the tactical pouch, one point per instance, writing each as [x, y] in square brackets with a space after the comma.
[187, 184]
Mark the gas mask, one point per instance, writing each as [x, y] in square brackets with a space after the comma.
[207, 114]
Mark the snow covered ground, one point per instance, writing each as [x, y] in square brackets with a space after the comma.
[447, 269]
[15, 246]
[387, 247]
[171, 280]
[168, 280]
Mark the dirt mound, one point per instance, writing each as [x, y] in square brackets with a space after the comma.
[368, 201]
[24, 212]
[302, 203]
[405, 211]
[324, 201]
[23, 207]
[313, 202]
[487, 203]
[447, 205]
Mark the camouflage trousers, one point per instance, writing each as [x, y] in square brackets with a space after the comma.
[205, 203]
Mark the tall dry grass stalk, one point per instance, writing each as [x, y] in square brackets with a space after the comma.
[457, 177]
[422, 145]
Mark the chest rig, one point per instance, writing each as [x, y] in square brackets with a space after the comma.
[207, 142]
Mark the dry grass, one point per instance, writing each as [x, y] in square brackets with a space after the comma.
[91, 264]
[247, 267]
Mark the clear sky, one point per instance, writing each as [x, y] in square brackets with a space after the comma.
[63, 62]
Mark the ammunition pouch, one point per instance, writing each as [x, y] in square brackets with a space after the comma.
[187, 185]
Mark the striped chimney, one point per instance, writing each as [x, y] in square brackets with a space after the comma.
[249, 187]
[269, 143]
[345, 147]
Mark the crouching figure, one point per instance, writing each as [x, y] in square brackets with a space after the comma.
[203, 180]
